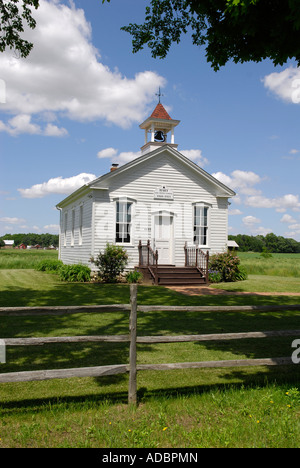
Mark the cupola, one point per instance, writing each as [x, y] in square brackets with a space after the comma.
[157, 127]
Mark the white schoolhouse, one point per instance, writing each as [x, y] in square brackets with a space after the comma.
[164, 209]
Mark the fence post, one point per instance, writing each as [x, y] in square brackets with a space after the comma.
[132, 390]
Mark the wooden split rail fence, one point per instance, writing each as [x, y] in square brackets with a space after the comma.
[132, 368]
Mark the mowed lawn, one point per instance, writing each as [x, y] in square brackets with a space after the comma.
[278, 273]
[238, 407]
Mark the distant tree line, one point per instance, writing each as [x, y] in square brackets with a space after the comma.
[44, 240]
[270, 243]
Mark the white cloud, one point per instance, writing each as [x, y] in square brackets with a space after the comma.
[116, 157]
[52, 228]
[241, 181]
[22, 124]
[196, 156]
[53, 130]
[234, 212]
[107, 153]
[250, 220]
[261, 231]
[64, 76]
[57, 185]
[287, 219]
[295, 227]
[127, 156]
[285, 84]
[281, 204]
[12, 220]
[251, 224]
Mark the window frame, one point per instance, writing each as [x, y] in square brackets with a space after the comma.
[80, 230]
[65, 227]
[205, 236]
[128, 224]
[73, 227]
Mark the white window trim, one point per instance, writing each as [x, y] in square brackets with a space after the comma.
[65, 228]
[132, 201]
[73, 227]
[80, 228]
[202, 204]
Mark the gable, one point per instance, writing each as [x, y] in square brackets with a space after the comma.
[164, 166]
[160, 167]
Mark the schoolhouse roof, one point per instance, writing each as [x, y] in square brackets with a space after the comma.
[101, 182]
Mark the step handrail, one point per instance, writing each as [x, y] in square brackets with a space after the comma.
[194, 256]
[151, 259]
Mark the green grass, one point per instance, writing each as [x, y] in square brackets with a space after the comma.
[24, 259]
[239, 407]
[232, 416]
[277, 274]
[282, 265]
[263, 283]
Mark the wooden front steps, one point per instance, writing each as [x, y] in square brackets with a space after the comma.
[169, 275]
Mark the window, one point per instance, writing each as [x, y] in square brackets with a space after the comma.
[200, 225]
[80, 223]
[73, 227]
[123, 222]
[65, 229]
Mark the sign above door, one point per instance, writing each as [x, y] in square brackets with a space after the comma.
[163, 193]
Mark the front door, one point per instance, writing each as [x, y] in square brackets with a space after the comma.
[164, 237]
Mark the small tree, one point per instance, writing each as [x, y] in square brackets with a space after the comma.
[111, 263]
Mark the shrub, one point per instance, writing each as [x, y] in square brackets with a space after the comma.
[134, 277]
[214, 276]
[74, 273]
[49, 265]
[111, 263]
[228, 266]
[266, 253]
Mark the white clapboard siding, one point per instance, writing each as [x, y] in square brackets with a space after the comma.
[140, 185]
[138, 182]
[77, 253]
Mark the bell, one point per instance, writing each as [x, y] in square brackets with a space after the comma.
[159, 136]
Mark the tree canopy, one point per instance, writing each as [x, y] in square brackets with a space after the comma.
[14, 15]
[271, 243]
[44, 240]
[237, 30]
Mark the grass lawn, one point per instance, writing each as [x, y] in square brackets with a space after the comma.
[265, 283]
[279, 273]
[240, 407]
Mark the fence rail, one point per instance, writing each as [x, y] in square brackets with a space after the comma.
[132, 368]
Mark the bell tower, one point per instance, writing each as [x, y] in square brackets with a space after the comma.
[158, 125]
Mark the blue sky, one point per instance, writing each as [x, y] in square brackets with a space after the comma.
[74, 107]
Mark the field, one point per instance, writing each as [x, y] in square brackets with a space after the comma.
[280, 265]
[24, 259]
[241, 407]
